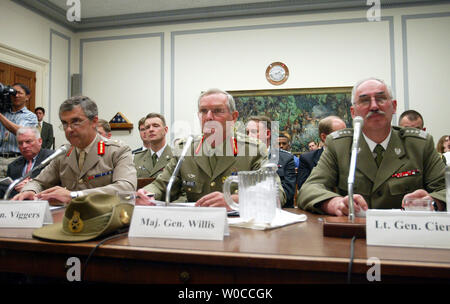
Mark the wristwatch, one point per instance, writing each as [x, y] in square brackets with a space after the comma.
[74, 194]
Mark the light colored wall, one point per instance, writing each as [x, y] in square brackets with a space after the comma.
[164, 68]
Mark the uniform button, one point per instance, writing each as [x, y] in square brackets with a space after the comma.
[80, 181]
[213, 184]
[189, 189]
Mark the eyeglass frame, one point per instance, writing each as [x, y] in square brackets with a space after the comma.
[73, 125]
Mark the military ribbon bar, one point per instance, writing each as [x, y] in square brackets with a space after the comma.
[99, 175]
[406, 173]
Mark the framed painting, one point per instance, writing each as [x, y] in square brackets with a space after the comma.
[298, 111]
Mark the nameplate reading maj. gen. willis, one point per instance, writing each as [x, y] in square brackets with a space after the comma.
[408, 228]
[200, 223]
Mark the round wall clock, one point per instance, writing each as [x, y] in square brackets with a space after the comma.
[277, 73]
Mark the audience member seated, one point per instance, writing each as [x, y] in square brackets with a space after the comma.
[443, 147]
[152, 161]
[284, 142]
[30, 146]
[104, 128]
[260, 127]
[309, 160]
[387, 156]
[312, 145]
[142, 134]
[412, 119]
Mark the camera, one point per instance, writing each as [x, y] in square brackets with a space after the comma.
[5, 97]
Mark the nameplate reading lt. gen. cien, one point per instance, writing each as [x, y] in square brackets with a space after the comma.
[24, 214]
[408, 228]
[201, 223]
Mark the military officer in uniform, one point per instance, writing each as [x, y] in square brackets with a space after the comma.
[152, 161]
[212, 157]
[393, 163]
[91, 165]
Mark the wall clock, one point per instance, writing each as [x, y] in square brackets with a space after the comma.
[277, 73]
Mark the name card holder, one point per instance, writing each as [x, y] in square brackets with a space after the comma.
[201, 223]
[24, 214]
[426, 229]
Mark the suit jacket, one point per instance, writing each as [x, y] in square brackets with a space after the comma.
[308, 161]
[107, 173]
[410, 162]
[196, 178]
[47, 135]
[16, 167]
[144, 164]
[286, 172]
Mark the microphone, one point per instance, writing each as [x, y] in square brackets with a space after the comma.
[357, 126]
[61, 150]
[186, 147]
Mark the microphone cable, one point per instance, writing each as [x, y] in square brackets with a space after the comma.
[350, 265]
[121, 232]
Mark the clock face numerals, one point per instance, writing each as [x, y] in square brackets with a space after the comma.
[277, 73]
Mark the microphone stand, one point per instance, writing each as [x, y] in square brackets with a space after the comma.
[351, 174]
[189, 141]
[17, 181]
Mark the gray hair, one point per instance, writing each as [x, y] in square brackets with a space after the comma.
[24, 129]
[355, 87]
[89, 107]
[230, 100]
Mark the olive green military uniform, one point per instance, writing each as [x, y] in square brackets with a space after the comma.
[106, 173]
[144, 163]
[198, 177]
[409, 163]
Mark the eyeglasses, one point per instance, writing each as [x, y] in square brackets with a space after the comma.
[364, 102]
[215, 112]
[73, 125]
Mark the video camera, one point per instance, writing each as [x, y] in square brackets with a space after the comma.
[5, 97]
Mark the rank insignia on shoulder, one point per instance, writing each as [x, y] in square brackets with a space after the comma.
[342, 133]
[101, 148]
[406, 173]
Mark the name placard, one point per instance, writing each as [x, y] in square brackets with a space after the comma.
[24, 214]
[408, 228]
[202, 223]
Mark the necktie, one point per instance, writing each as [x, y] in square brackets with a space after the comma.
[81, 159]
[154, 159]
[379, 151]
[39, 127]
[29, 165]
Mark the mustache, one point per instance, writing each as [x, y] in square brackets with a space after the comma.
[375, 112]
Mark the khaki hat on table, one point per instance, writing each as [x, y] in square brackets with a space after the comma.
[88, 217]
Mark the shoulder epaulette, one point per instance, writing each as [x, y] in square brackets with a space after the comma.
[411, 132]
[114, 142]
[342, 133]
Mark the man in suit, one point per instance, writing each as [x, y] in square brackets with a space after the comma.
[45, 128]
[91, 165]
[393, 163]
[309, 160]
[212, 157]
[30, 146]
[284, 142]
[260, 127]
[152, 161]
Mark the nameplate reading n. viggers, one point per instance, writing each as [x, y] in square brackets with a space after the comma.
[426, 229]
[201, 223]
[24, 214]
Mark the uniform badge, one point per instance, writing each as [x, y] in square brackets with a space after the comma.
[124, 217]
[406, 173]
[224, 178]
[234, 171]
[191, 176]
[76, 223]
[397, 151]
[69, 152]
[101, 147]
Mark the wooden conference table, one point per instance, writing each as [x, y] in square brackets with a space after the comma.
[297, 253]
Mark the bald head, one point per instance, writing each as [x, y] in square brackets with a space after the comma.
[328, 125]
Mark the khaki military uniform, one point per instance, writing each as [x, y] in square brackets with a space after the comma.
[108, 173]
[144, 164]
[197, 177]
[410, 162]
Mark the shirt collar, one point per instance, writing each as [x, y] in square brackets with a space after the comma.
[88, 148]
[373, 144]
[160, 152]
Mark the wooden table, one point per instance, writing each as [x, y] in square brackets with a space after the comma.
[298, 253]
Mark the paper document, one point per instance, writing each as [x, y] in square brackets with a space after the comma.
[282, 218]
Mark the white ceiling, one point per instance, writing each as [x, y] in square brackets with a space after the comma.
[105, 14]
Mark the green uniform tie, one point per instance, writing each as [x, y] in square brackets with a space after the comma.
[154, 159]
[379, 151]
